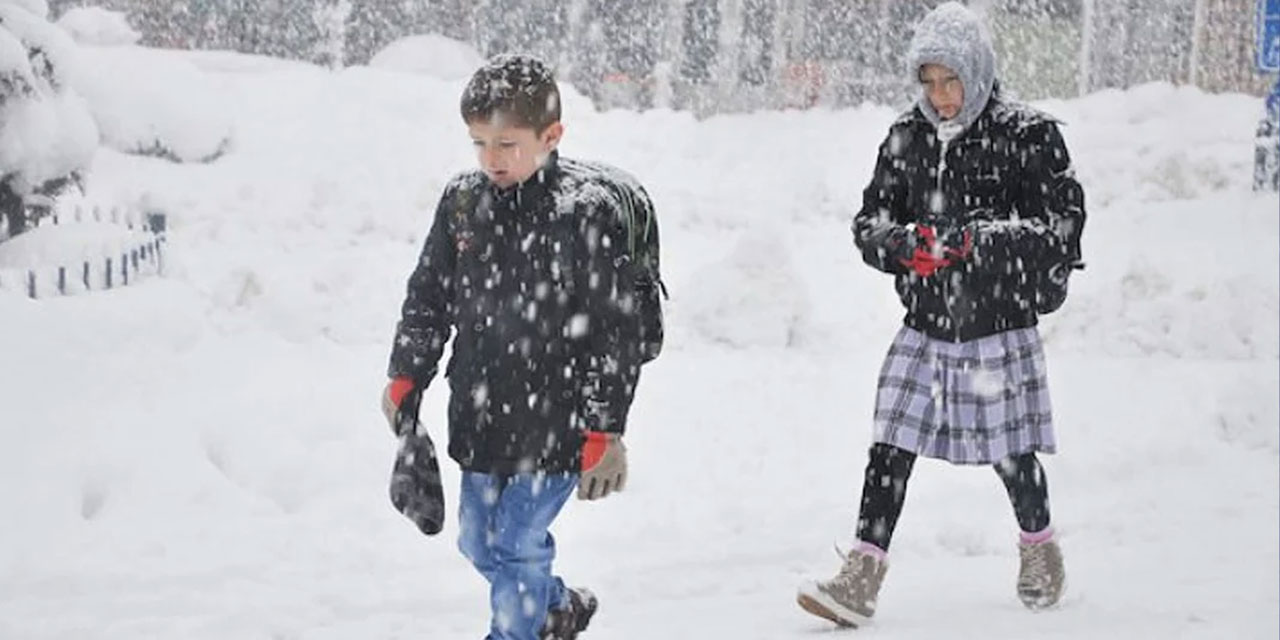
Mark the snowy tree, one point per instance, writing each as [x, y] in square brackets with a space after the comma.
[1038, 46]
[619, 51]
[701, 40]
[714, 55]
[332, 19]
[756, 44]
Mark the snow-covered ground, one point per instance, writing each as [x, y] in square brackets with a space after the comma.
[201, 456]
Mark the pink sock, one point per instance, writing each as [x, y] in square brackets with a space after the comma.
[873, 550]
[1037, 537]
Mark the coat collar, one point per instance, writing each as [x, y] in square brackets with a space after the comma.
[534, 188]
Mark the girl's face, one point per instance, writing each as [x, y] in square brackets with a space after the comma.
[943, 88]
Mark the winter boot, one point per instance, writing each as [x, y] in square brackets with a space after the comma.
[568, 621]
[849, 599]
[1041, 578]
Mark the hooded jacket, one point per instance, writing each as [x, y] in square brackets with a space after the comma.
[1001, 173]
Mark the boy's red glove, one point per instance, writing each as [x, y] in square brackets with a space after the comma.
[604, 465]
[392, 396]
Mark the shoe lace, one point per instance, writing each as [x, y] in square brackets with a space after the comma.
[844, 555]
[850, 568]
[1036, 560]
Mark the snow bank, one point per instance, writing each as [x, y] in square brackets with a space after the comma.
[753, 298]
[1160, 143]
[431, 54]
[38, 8]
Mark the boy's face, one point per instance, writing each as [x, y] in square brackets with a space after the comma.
[943, 88]
[508, 154]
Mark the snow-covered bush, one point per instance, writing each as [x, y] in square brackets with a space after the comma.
[149, 103]
[98, 26]
[46, 131]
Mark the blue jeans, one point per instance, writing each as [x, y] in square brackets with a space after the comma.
[504, 522]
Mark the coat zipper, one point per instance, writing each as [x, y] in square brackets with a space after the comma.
[946, 281]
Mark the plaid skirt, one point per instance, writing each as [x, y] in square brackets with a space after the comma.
[973, 402]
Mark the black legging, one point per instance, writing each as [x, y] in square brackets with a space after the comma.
[884, 489]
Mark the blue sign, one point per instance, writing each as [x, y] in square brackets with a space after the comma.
[1269, 35]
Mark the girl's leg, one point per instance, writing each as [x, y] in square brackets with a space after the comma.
[1041, 573]
[884, 489]
[1028, 490]
[850, 597]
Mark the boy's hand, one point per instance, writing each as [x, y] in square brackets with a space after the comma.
[604, 465]
[392, 396]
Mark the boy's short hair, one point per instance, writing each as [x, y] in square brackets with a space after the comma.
[520, 88]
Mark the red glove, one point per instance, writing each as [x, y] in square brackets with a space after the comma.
[593, 448]
[604, 465]
[925, 260]
[398, 389]
[392, 396]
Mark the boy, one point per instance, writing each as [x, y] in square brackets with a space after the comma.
[533, 261]
[975, 210]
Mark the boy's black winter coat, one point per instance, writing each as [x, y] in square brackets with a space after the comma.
[539, 285]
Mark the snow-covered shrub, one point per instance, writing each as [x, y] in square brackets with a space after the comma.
[98, 26]
[150, 103]
[46, 131]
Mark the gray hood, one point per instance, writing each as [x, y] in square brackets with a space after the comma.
[955, 37]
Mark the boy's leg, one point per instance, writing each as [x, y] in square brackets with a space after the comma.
[523, 587]
[884, 490]
[1028, 491]
[477, 503]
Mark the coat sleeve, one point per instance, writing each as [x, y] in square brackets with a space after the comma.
[426, 318]
[1051, 193]
[1046, 234]
[880, 227]
[606, 325]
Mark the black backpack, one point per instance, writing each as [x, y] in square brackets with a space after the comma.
[1051, 286]
[644, 264]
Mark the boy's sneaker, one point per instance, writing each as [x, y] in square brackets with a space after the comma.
[1041, 577]
[568, 621]
[849, 599]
